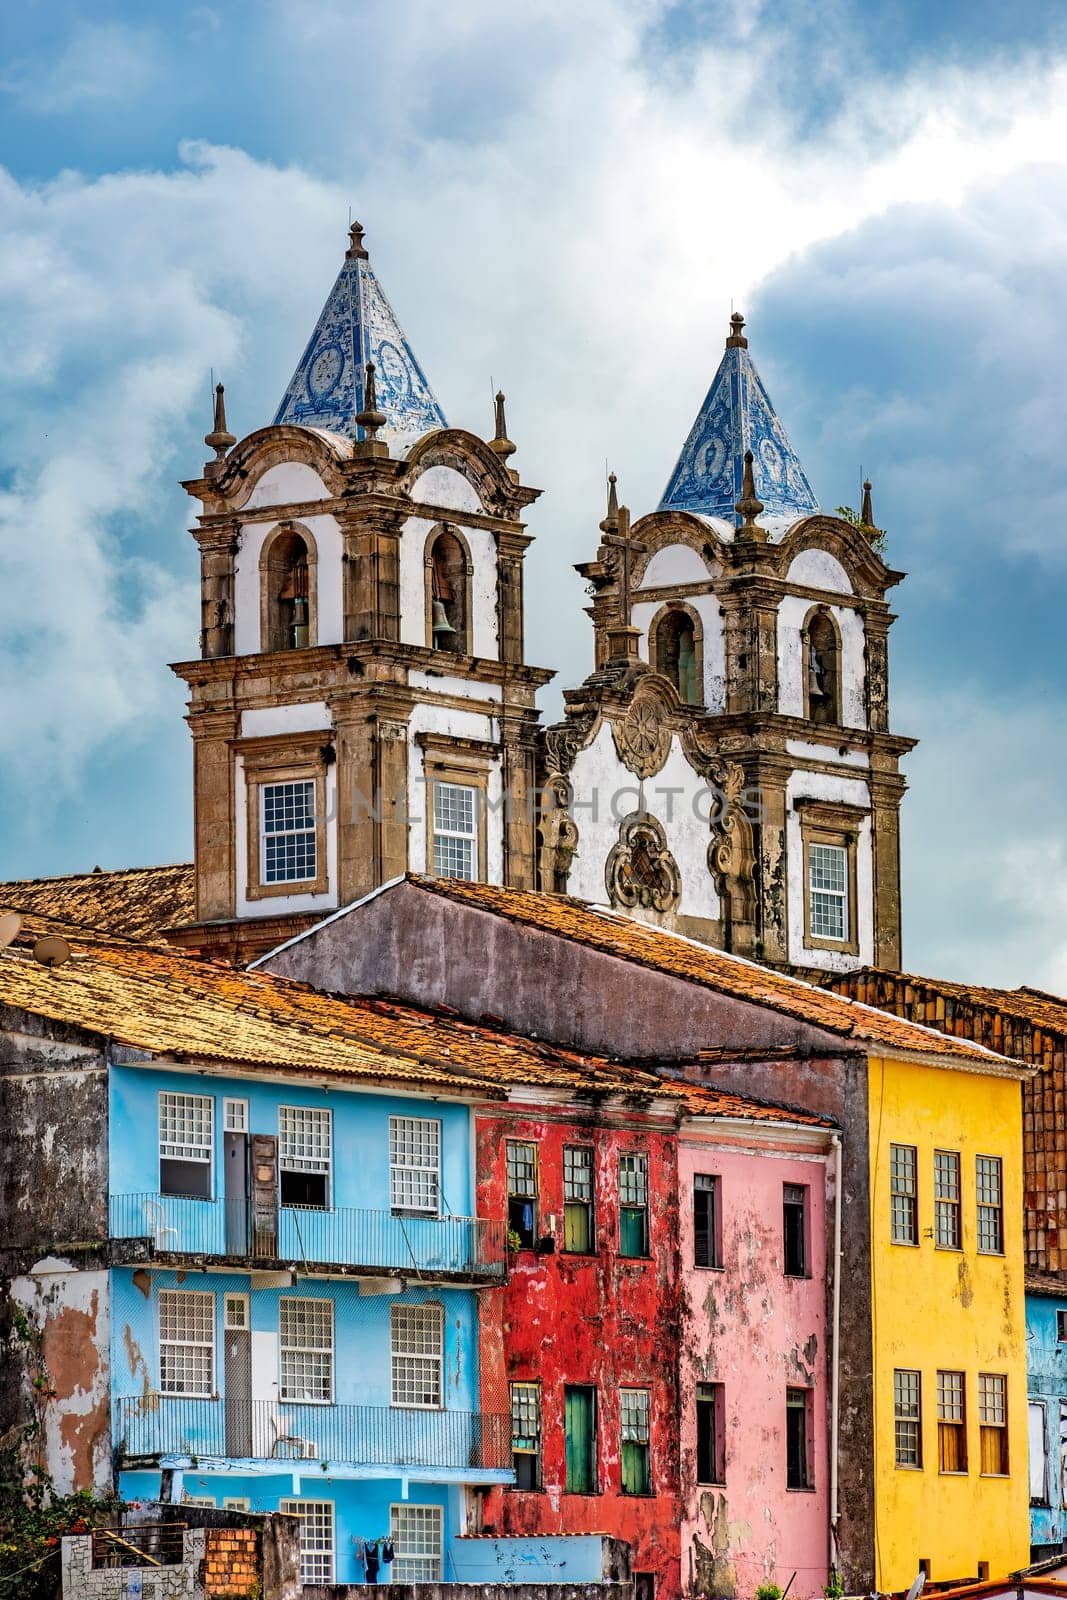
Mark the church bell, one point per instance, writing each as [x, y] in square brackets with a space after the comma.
[440, 626]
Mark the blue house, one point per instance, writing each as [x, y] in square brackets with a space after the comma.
[1046, 1374]
[300, 1329]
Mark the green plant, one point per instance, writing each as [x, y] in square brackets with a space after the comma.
[876, 537]
[514, 1241]
[769, 1591]
[833, 1588]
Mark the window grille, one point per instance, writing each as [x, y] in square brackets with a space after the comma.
[418, 1539]
[907, 1417]
[187, 1342]
[415, 1164]
[303, 1139]
[455, 831]
[417, 1355]
[990, 1196]
[947, 1199]
[316, 1538]
[287, 812]
[186, 1126]
[828, 891]
[306, 1341]
[904, 1192]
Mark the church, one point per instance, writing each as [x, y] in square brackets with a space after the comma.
[363, 705]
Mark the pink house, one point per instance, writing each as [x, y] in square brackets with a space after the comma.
[757, 1392]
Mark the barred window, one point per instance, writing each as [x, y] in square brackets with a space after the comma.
[417, 1355]
[904, 1193]
[287, 827]
[417, 1533]
[187, 1342]
[186, 1143]
[578, 1198]
[633, 1204]
[455, 831]
[828, 891]
[526, 1434]
[306, 1340]
[951, 1422]
[949, 1234]
[990, 1196]
[316, 1538]
[415, 1164]
[907, 1417]
[304, 1161]
[993, 1422]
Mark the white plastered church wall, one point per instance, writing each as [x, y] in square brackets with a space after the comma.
[792, 611]
[833, 790]
[605, 791]
[447, 722]
[280, 904]
[675, 565]
[327, 578]
[288, 483]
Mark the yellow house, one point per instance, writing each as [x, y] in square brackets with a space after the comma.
[948, 1321]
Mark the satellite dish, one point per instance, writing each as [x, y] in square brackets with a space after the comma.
[917, 1587]
[10, 923]
[51, 951]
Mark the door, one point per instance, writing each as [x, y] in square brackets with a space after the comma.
[235, 1175]
[264, 1196]
[237, 1375]
[579, 1420]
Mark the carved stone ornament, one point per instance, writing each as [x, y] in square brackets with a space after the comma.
[640, 870]
[643, 737]
[732, 855]
[558, 833]
[564, 740]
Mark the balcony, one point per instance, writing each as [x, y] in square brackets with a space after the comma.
[457, 1446]
[440, 1248]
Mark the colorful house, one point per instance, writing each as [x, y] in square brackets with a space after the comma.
[1046, 1359]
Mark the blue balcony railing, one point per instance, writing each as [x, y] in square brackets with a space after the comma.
[377, 1240]
[266, 1430]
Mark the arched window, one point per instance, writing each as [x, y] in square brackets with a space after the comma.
[676, 655]
[287, 593]
[447, 574]
[822, 669]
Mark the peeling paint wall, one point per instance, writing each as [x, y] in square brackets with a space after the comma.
[755, 1331]
[71, 1307]
[598, 1319]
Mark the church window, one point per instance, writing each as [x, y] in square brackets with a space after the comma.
[287, 592]
[289, 832]
[522, 1194]
[822, 669]
[828, 891]
[448, 595]
[676, 654]
[455, 831]
[829, 839]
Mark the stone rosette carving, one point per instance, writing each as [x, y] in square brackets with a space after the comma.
[643, 736]
[640, 871]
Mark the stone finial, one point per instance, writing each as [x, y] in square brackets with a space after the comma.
[370, 419]
[748, 506]
[867, 509]
[735, 339]
[611, 521]
[500, 441]
[356, 250]
[219, 439]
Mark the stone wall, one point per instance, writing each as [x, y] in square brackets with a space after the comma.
[225, 1556]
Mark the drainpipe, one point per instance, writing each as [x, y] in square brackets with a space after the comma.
[835, 1373]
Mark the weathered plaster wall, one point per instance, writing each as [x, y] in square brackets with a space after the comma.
[755, 1331]
[70, 1306]
[598, 1319]
[956, 1309]
[844, 790]
[1046, 1363]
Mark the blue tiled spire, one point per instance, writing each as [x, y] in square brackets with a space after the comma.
[736, 416]
[358, 325]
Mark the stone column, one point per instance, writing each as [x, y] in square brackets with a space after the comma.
[371, 580]
[214, 813]
[510, 548]
[217, 548]
[373, 802]
[887, 789]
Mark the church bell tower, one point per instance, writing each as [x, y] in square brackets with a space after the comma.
[727, 770]
[361, 705]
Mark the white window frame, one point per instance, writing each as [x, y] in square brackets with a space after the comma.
[316, 1566]
[412, 1181]
[306, 1353]
[234, 1115]
[189, 1299]
[417, 1353]
[452, 831]
[817, 892]
[266, 834]
[202, 1152]
[242, 1322]
[292, 1145]
[426, 1563]
[236, 1502]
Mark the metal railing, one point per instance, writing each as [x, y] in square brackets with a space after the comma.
[268, 1430]
[381, 1240]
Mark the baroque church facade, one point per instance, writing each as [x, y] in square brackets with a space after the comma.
[363, 707]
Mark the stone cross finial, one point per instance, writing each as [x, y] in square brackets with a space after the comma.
[626, 547]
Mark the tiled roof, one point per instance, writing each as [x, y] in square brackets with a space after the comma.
[713, 969]
[1046, 1283]
[1043, 1010]
[136, 902]
[170, 1004]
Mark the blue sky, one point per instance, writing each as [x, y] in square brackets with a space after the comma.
[564, 200]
